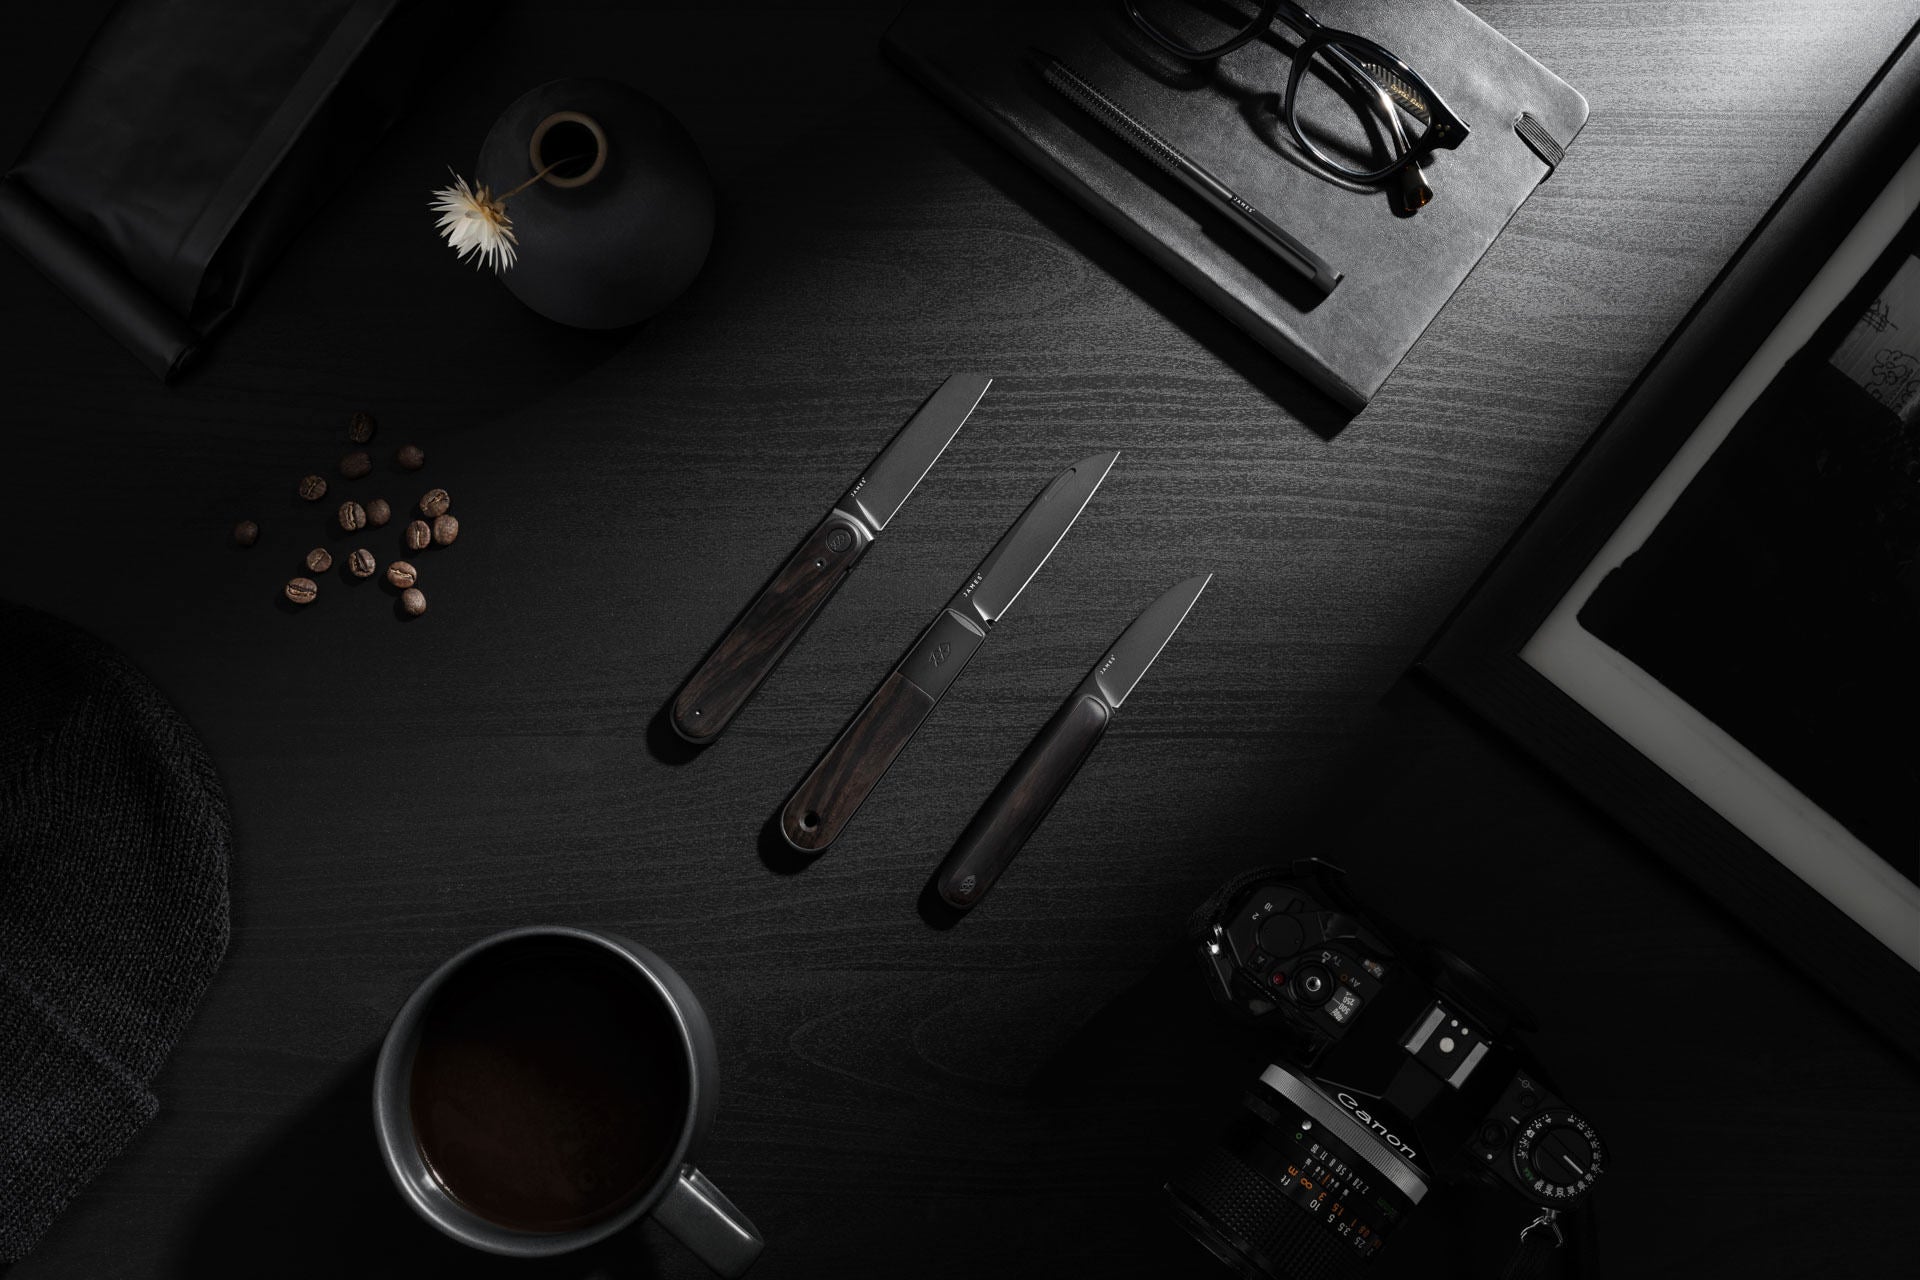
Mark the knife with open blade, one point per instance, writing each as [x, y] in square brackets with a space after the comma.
[860, 757]
[738, 664]
[1020, 803]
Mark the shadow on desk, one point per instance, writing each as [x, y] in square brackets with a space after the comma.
[315, 1200]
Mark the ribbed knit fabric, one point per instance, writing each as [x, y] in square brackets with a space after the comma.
[114, 839]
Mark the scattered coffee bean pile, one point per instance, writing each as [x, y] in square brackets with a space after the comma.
[438, 527]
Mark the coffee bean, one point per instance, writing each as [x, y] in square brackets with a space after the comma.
[361, 563]
[410, 457]
[360, 427]
[378, 512]
[418, 535]
[445, 530]
[353, 516]
[414, 601]
[356, 464]
[319, 560]
[401, 574]
[302, 590]
[434, 502]
[313, 488]
[246, 533]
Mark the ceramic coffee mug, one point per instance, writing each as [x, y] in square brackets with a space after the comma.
[669, 1097]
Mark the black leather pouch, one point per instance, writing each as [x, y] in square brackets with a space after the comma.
[193, 140]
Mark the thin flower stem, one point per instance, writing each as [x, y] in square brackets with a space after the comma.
[505, 196]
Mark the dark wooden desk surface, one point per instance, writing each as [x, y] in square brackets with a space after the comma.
[402, 789]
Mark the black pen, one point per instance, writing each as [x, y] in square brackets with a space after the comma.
[1192, 176]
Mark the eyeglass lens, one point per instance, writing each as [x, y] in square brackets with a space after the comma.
[1356, 114]
[1352, 108]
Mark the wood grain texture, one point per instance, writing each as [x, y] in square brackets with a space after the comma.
[895, 1098]
[754, 646]
[828, 797]
[1020, 801]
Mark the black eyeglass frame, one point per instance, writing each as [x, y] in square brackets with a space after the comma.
[1444, 128]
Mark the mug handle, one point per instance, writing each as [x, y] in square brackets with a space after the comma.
[706, 1222]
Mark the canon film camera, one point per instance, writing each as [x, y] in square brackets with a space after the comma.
[1393, 1068]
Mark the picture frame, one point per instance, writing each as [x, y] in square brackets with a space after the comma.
[1506, 654]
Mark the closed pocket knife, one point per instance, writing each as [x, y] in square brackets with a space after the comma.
[856, 762]
[1041, 774]
[771, 624]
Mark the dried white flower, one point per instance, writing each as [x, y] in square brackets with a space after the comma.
[475, 223]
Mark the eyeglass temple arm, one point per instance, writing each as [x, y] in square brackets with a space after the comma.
[1414, 191]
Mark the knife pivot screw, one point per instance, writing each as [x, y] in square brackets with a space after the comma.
[839, 540]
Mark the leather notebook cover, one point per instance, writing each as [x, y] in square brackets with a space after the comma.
[1398, 269]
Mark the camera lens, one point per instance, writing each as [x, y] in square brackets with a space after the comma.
[1299, 1187]
[1312, 984]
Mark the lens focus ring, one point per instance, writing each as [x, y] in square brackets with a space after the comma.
[1225, 1203]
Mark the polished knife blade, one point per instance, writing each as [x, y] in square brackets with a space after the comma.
[897, 470]
[1017, 557]
[830, 795]
[1020, 802]
[749, 652]
[1114, 676]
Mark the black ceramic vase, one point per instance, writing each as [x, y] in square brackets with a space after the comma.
[622, 224]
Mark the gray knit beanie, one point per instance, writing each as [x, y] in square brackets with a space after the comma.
[113, 907]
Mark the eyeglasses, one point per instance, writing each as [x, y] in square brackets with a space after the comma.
[1343, 91]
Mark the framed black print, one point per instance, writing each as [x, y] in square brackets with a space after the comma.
[1711, 625]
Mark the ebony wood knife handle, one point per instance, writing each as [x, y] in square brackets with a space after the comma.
[1020, 803]
[768, 628]
[866, 748]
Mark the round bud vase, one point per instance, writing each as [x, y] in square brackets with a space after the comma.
[622, 223]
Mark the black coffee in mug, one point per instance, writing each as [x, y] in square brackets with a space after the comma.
[550, 1084]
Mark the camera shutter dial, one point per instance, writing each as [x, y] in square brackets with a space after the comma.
[1558, 1156]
